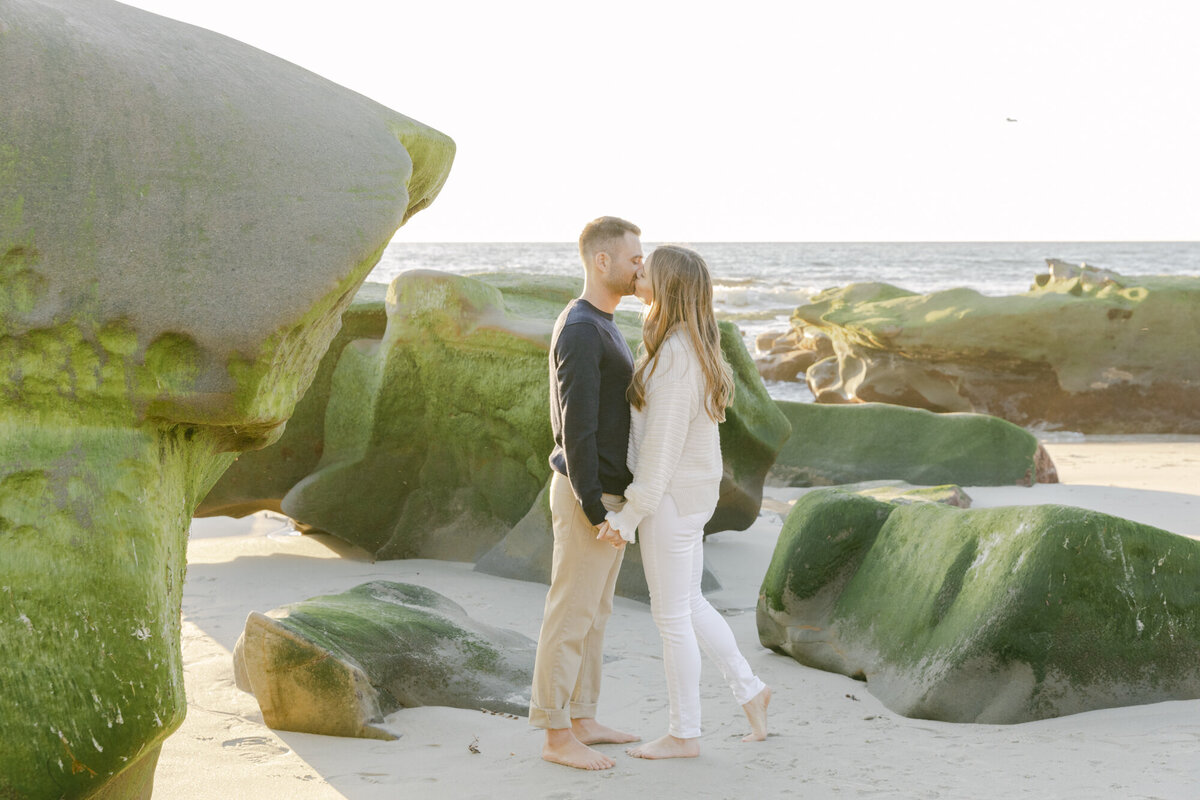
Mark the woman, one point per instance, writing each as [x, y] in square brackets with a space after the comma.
[681, 387]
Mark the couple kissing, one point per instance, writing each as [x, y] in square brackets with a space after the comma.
[637, 457]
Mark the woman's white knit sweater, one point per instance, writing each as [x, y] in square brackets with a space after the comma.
[674, 445]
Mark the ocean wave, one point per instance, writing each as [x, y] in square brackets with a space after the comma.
[760, 296]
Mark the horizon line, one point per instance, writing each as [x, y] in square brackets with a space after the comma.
[821, 241]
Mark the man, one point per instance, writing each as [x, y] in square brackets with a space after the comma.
[590, 369]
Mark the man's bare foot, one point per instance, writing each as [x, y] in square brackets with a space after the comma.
[756, 712]
[667, 747]
[563, 748]
[588, 731]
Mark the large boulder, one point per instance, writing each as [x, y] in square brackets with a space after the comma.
[1086, 351]
[183, 221]
[259, 479]
[836, 444]
[338, 664]
[436, 436]
[995, 615]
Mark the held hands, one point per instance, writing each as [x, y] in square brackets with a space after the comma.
[607, 533]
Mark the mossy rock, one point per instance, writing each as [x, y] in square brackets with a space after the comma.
[997, 615]
[837, 444]
[526, 554]
[183, 221]
[901, 493]
[259, 479]
[337, 664]
[1094, 353]
[437, 435]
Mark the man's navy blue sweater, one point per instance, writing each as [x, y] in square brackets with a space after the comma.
[590, 369]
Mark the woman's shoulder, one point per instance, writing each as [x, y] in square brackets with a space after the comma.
[676, 355]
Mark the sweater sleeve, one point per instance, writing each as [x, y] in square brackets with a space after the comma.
[578, 373]
[671, 403]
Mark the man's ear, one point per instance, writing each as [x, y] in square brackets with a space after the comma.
[602, 261]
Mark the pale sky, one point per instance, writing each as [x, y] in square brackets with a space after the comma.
[775, 120]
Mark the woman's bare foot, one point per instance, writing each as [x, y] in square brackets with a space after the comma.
[667, 747]
[756, 712]
[563, 748]
[588, 731]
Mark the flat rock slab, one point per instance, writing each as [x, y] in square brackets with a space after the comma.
[838, 444]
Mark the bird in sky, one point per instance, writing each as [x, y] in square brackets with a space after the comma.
[1009, 119]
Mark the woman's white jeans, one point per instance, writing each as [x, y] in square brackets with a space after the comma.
[673, 557]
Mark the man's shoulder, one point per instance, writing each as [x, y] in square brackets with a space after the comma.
[579, 310]
[580, 320]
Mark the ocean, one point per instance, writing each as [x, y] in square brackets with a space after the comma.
[758, 284]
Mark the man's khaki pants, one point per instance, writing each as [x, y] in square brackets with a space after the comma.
[566, 673]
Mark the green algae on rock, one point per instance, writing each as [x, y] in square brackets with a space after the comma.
[338, 664]
[183, 221]
[436, 435]
[259, 479]
[837, 444]
[1086, 353]
[996, 615]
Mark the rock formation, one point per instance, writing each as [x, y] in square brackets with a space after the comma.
[789, 355]
[1089, 351]
[183, 221]
[995, 615]
[338, 664]
[839, 444]
[436, 436]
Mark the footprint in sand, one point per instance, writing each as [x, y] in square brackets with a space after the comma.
[256, 748]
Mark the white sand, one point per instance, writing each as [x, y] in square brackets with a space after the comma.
[830, 737]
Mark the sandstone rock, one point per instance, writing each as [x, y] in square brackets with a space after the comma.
[183, 220]
[1087, 354]
[437, 435]
[790, 354]
[1067, 273]
[785, 366]
[850, 443]
[996, 615]
[904, 494]
[525, 555]
[338, 664]
[824, 382]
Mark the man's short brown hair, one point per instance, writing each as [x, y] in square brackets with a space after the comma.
[602, 230]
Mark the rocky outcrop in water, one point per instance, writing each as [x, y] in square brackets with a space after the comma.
[1083, 350]
[183, 221]
[996, 615]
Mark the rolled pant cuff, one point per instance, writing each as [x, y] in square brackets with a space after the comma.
[583, 710]
[549, 718]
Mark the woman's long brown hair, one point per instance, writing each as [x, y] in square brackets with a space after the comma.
[683, 297]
